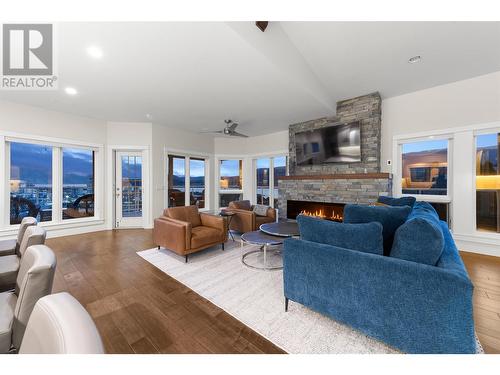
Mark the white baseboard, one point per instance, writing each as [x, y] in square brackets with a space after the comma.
[477, 244]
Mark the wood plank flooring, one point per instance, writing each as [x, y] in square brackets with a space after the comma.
[139, 309]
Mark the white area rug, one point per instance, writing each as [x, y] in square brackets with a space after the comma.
[256, 298]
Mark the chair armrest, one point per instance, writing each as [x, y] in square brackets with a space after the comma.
[243, 221]
[271, 212]
[213, 221]
[172, 234]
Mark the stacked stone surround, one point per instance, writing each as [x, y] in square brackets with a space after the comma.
[365, 109]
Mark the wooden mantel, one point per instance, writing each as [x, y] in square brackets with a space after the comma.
[338, 176]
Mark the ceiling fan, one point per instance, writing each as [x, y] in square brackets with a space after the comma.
[229, 129]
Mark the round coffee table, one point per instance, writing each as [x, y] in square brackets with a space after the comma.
[281, 228]
[272, 260]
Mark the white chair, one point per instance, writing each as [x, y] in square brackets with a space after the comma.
[11, 247]
[9, 264]
[34, 281]
[60, 325]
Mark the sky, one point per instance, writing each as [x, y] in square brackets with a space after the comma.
[425, 146]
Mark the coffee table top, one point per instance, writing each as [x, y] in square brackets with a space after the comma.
[281, 228]
[260, 238]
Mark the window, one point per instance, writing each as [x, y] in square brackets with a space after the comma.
[231, 181]
[30, 182]
[488, 182]
[197, 182]
[78, 183]
[131, 180]
[230, 174]
[268, 171]
[279, 171]
[184, 191]
[176, 181]
[425, 168]
[263, 167]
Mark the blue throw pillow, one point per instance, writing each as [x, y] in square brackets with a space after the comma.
[362, 237]
[419, 240]
[403, 201]
[426, 209]
[390, 217]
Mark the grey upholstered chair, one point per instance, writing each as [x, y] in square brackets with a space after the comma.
[11, 247]
[60, 325]
[34, 281]
[9, 264]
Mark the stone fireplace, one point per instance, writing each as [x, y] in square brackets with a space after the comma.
[334, 184]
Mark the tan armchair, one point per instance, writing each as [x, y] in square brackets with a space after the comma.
[184, 230]
[245, 219]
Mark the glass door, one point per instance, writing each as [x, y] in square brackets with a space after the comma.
[128, 190]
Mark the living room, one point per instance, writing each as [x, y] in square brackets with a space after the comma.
[260, 187]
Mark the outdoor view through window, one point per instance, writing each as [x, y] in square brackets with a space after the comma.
[425, 167]
[488, 182]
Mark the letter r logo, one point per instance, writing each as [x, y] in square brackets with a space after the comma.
[27, 49]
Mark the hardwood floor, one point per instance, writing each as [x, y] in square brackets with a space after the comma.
[139, 309]
[485, 274]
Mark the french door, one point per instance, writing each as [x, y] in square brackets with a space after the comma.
[129, 190]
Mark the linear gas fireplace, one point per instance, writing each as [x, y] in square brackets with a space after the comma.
[328, 211]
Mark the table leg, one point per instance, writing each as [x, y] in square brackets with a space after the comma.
[265, 256]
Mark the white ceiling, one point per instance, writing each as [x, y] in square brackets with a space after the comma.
[194, 75]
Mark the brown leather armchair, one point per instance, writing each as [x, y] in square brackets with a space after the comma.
[245, 219]
[184, 230]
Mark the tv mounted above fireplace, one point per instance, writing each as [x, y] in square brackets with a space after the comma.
[339, 143]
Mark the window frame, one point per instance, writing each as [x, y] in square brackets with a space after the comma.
[57, 145]
[476, 133]
[218, 177]
[187, 155]
[271, 175]
[398, 173]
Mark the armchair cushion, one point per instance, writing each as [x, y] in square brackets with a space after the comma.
[241, 205]
[9, 267]
[366, 237]
[7, 306]
[201, 236]
[189, 214]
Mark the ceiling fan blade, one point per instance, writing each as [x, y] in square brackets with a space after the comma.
[232, 126]
[212, 132]
[236, 134]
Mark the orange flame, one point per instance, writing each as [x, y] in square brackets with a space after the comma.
[321, 214]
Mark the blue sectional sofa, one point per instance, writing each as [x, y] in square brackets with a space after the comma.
[412, 306]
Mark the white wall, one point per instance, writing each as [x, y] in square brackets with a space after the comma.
[468, 102]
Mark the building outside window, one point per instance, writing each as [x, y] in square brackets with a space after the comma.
[488, 182]
[178, 168]
[268, 171]
[30, 182]
[78, 183]
[425, 168]
[231, 181]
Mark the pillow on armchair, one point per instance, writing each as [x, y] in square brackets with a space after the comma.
[361, 237]
[260, 209]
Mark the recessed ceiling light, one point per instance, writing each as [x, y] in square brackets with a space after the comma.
[415, 59]
[149, 116]
[70, 91]
[94, 52]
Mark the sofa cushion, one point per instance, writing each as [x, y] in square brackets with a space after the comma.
[420, 239]
[260, 209]
[390, 217]
[366, 237]
[403, 201]
[9, 267]
[202, 236]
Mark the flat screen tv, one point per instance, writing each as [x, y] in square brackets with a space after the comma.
[338, 143]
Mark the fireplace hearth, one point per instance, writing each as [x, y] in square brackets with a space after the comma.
[323, 210]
